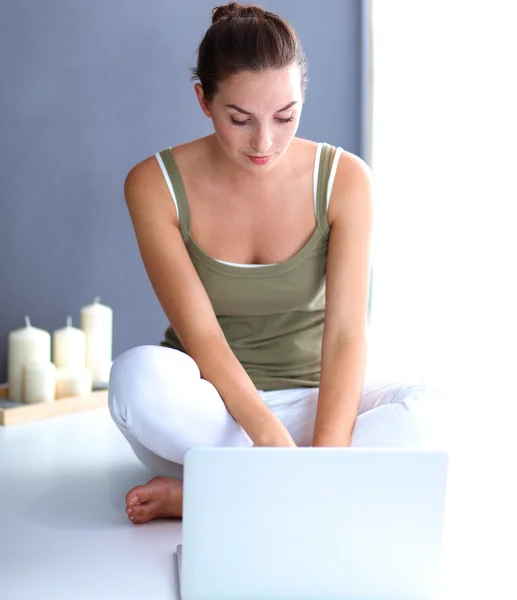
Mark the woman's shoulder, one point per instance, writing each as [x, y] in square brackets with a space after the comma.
[193, 146]
[191, 152]
[348, 166]
[193, 149]
[307, 147]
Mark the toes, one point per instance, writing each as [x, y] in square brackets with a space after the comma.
[143, 513]
[137, 495]
[140, 517]
[138, 511]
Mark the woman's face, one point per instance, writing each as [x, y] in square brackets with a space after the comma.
[256, 114]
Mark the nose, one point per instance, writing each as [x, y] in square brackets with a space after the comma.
[261, 141]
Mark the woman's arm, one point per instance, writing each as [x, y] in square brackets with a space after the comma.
[187, 305]
[347, 289]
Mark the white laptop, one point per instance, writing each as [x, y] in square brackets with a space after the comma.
[312, 523]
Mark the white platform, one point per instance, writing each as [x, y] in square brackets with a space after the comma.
[63, 530]
[64, 533]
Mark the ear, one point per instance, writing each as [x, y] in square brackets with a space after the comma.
[202, 100]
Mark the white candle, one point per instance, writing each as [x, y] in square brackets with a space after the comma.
[97, 324]
[25, 345]
[39, 382]
[69, 347]
[73, 382]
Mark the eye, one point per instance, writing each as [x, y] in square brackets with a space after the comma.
[241, 123]
[235, 122]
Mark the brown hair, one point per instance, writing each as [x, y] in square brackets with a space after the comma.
[246, 38]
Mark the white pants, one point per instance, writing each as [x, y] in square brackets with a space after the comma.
[163, 407]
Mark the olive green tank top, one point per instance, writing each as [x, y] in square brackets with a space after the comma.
[271, 315]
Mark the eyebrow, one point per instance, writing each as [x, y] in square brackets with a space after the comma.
[241, 110]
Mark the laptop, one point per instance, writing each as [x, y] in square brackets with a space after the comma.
[312, 523]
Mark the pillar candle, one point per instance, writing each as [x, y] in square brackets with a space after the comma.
[73, 382]
[69, 347]
[97, 324]
[39, 382]
[25, 345]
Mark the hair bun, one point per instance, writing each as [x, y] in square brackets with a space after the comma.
[234, 9]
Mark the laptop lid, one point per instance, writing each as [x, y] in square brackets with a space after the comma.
[312, 523]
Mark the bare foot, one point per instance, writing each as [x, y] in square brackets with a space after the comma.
[161, 497]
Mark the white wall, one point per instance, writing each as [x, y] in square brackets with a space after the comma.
[444, 296]
[444, 158]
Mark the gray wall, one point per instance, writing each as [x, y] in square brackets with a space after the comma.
[88, 89]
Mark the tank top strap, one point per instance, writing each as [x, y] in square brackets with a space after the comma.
[177, 189]
[328, 152]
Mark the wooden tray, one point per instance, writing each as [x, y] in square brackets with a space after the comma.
[16, 412]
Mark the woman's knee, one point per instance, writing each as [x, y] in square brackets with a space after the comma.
[411, 393]
[420, 393]
[422, 390]
[428, 402]
[143, 375]
[412, 411]
[414, 388]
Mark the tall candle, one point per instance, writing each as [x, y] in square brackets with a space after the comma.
[39, 382]
[97, 324]
[69, 347]
[26, 345]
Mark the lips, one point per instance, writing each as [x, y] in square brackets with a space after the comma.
[259, 160]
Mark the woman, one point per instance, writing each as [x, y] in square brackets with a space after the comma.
[257, 244]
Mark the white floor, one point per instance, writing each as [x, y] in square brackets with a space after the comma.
[64, 533]
[63, 530]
